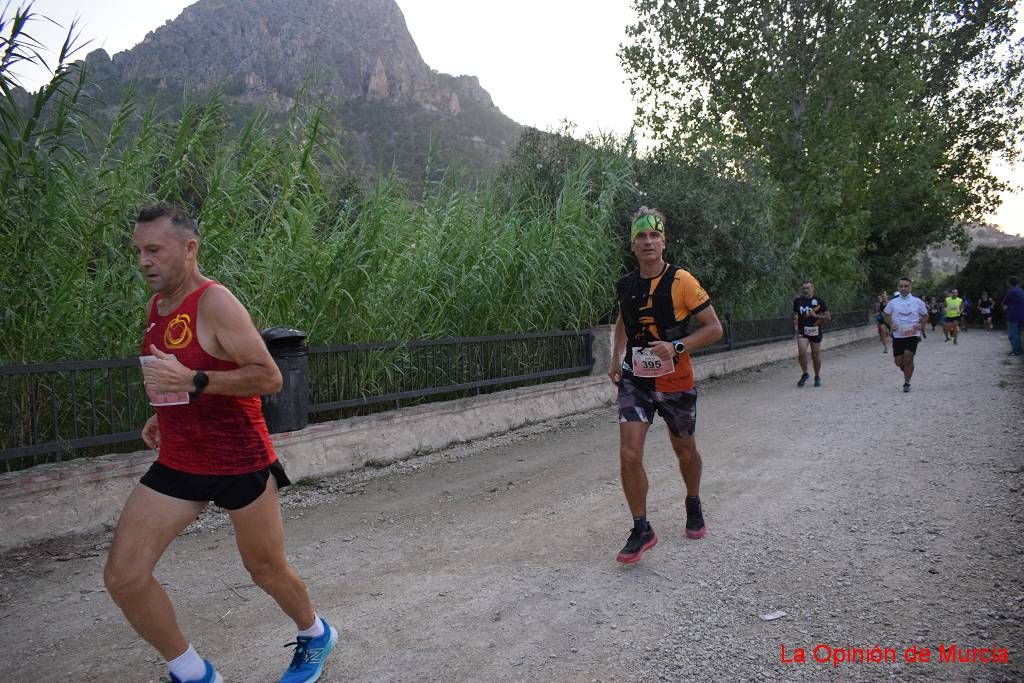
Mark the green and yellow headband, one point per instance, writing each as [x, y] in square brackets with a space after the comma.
[644, 223]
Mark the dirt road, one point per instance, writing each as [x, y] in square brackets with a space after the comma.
[870, 517]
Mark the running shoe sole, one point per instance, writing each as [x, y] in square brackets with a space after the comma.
[699, 533]
[635, 557]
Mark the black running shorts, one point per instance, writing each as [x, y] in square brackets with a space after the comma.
[901, 344]
[639, 403]
[229, 491]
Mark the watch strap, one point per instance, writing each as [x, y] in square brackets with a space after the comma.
[200, 379]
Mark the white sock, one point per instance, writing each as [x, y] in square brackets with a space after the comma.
[316, 630]
[188, 666]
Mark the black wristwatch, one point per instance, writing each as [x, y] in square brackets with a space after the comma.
[200, 379]
[679, 347]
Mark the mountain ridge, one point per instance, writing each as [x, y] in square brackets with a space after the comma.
[359, 53]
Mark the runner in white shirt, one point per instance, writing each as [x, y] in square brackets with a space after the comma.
[906, 315]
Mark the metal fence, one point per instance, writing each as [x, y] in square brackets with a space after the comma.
[58, 411]
[351, 376]
[51, 411]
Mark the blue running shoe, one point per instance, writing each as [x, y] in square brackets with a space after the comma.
[211, 676]
[310, 654]
[803, 379]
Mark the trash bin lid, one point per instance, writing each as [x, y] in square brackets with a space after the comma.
[283, 337]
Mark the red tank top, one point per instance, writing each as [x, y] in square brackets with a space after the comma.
[212, 434]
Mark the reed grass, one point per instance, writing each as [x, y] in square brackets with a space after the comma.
[280, 228]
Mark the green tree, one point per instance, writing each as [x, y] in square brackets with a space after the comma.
[988, 270]
[876, 120]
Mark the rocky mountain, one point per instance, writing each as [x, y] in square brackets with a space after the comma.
[356, 53]
[947, 258]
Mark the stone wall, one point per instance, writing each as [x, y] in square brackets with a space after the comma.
[86, 495]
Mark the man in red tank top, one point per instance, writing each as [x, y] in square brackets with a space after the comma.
[201, 343]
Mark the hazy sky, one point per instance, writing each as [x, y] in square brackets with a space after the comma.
[542, 61]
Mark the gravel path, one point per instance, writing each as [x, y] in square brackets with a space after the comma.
[870, 517]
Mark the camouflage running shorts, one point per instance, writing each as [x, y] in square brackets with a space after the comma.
[638, 402]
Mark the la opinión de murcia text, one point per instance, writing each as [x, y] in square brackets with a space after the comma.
[842, 655]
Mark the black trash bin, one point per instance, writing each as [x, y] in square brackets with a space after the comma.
[288, 410]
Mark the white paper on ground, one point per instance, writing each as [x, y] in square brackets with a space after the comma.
[772, 616]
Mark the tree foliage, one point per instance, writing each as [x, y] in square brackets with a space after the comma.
[988, 270]
[877, 120]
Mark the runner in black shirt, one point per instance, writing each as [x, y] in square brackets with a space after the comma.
[809, 313]
[985, 306]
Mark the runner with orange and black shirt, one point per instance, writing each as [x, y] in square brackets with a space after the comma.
[651, 366]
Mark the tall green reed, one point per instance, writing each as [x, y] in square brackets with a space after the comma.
[280, 227]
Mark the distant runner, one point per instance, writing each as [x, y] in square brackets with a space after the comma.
[906, 314]
[934, 312]
[954, 308]
[986, 305]
[809, 313]
[1013, 306]
[883, 329]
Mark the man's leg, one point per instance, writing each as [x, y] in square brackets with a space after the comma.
[690, 463]
[1013, 333]
[259, 533]
[802, 344]
[908, 367]
[631, 464]
[954, 331]
[634, 483]
[148, 524]
[816, 357]
[801, 352]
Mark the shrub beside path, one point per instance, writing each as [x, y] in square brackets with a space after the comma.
[870, 517]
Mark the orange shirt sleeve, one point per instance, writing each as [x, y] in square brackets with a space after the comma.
[687, 294]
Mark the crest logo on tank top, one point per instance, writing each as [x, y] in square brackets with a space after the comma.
[178, 333]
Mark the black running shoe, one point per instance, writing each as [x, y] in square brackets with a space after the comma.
[694, 518]
[906, 387]
[638, 543]
[803, 379]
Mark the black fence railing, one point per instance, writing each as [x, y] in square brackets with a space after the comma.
[741, 333]
[58, 411]
[53, 411]
[352, 376]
